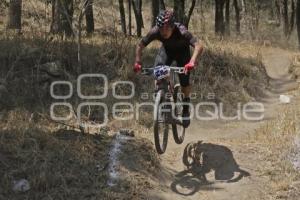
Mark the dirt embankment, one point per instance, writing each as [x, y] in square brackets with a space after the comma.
[262, 149]
[58, 164]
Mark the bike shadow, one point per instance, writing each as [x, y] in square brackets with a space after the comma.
[187, 184]
[207, 157]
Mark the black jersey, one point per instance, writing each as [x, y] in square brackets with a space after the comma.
[180, 39]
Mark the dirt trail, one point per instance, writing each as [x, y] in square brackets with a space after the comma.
[277, 62]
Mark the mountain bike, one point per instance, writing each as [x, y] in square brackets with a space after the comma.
[168, 105]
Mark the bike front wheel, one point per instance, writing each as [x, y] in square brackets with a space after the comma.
[161, 127]
[178, 129]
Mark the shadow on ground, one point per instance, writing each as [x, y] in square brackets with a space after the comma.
[202, 158]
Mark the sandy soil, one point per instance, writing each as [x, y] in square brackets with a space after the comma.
[175, 184]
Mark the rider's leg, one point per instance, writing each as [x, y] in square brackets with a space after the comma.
[182, 59]
[186, 106]
[187, 90]
[163, 58]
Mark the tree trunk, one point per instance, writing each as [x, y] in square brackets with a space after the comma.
[129, 18]
[243, 16]
[89, 17]
[122, 16]
[203, 24]
[278, 11]
[243, 6]
[179, 10]
[138, 16]
[298, 21]
[227, 18]
[162, 5]
[14, 15]
[237, 16]
[188, 17]
[155, 10]
[292, 20]
[285, 17]
[254, 10]
[222, 19]
[67, 17]
[219, 17]
[56, 26]
[62, 17]
[140, 9]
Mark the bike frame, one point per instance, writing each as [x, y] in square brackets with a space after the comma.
[168, 83]
[165, 90]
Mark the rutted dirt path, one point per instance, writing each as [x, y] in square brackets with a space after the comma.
[277, 62]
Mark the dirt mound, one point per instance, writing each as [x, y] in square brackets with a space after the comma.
[66, 164]
[62, 165]
[230, 77]
[139, 155]
[138, 164]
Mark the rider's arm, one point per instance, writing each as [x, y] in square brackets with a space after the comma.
[198, 50]
[193, 41]
[152, 35]
[138, 53]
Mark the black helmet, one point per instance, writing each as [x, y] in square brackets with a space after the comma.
[165, 17]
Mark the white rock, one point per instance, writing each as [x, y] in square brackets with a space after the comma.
[285, 99]
[21, 185]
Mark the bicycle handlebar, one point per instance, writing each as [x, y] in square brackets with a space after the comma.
[149, 71]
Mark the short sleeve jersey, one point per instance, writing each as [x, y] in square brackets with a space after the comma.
[179, 40]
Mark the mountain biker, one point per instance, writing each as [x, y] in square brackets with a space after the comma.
[176, 41]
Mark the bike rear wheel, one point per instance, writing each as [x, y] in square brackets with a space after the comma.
[189, 155]
[161, 127]
[178, 129]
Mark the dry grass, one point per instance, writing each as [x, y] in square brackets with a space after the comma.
[65, 164]
[58, 165]
[295, 67]
[272, 147]
[223, 70]
[269, 154]
[232, 77]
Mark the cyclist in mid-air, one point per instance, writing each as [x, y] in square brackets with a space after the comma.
[176, 41]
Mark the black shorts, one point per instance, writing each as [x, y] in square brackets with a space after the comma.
[182, 58]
